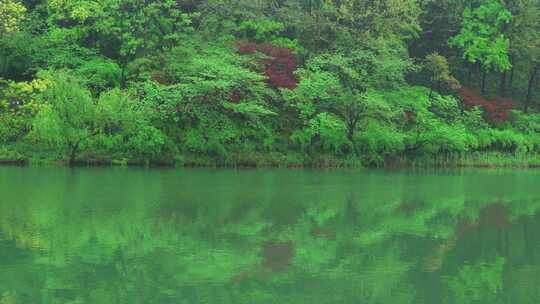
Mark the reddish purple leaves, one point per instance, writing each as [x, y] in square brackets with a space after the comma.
[279, 66]
[496, 110]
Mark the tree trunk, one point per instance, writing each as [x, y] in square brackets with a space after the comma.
[431, 88]
[511, 80]
[317, 31]
[483, 84]
[146, 26]
[503, 83]
[352, 120]
[350, 132]
[73, 154]
[72, 158]
[530, 86]
[123, 77]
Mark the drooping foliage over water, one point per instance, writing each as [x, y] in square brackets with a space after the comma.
[268, 236]
[287, 82]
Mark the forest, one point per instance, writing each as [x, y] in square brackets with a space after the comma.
[270, 82]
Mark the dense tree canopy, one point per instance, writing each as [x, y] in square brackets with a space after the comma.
[273, 82]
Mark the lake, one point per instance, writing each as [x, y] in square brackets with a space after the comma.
[125, 235]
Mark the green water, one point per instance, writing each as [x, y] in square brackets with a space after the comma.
[268, 236]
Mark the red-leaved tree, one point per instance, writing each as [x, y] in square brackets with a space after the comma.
[496, 109]
[279, 64]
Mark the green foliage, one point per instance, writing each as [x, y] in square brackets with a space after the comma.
[260, 30]
[346, 86]
[67, 116]
[141, 27]
[446, 108]
[99, 74]
[266, 31]
[60, 48]
[527, 123]
[17, 108]
[324, 130]
[15, 49]
[217, 102]
[12, 12]
[434, 125]
[439, 137]
[481, 37]
[510, 140]
[122, 119]
[381, 18]
[439, 72]
[378, 141]
[69, 120]
[78, 11]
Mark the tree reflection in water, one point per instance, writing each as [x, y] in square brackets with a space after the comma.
[268, 236]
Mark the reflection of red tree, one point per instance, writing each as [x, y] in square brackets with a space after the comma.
[277, 256]
[496, 110]
[494, 215]
[279, 64]
[408, 208]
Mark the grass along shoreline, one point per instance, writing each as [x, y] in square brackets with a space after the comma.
[288, 160]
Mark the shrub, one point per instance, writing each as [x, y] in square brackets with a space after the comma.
[435, 136]
[99, 74]
[378, 140]
[445, 107]
[324, 130]
[510, 140]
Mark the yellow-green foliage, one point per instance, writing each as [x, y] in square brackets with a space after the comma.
[12, 12]
[17, 107]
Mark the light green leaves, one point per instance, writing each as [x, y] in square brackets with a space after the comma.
[67, 116]
[12, 12]
[481, 37]
[70, 120]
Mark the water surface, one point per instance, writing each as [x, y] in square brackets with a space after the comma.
[268, 236]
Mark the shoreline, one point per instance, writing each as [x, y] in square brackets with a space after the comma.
[484, 160]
